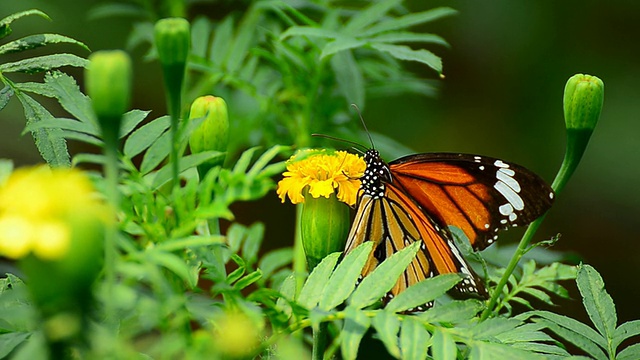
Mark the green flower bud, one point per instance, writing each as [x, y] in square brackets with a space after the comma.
[108, 83]
[324, 226]
[213, 133]
[172, 38]
[583, 98]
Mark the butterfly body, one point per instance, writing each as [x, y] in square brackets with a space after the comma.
[417, 198]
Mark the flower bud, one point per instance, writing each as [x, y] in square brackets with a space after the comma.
[172, 38]
[583, 98]
[324, 226]
[213, 133]
[108, 83]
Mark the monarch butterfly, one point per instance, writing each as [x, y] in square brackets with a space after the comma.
[416, 198]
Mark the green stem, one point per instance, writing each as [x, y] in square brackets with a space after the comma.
[320, 337]
[299, 258]
[113, 195]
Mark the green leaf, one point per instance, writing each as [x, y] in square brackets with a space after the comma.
[36, 88]
[316, 283]
[64, 88]
[371, 15]
[406, 53]
[405, 37]
[384, 277]
[111, 10]
[423, 292]
[274, 260]
[130, 120]
[309, 31]
[145, 136]
[248, 280]
[343, 280]
[172, 262]
[10, 341]
[407, 21]
[190, 242]
[221, 44]
[264, 159]
[626, 331]
[200, 36]
[245, 160]
[492, 351]
[5, 95]
[65, 124]
[33, 349]
[156, 153]
[50, 142]
[252, 242]
[5, 23]
[187, 162]
[455, 312]
[443, 347]
[583, 341]
[356, 324]
[597, 301]
[630, 353]
[543, 349]
[349, 78]
[243, 39]
[387, 326]
[341, 44]
[414, 339]
[493, 327]
[35, 41]
[43, 63]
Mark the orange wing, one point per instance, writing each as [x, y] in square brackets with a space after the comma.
[479, 195]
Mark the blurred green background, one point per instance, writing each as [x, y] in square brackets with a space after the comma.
[501, 96]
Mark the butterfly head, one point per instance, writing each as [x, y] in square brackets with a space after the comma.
[376, 175]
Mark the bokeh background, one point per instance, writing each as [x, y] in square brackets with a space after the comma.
[501, 96]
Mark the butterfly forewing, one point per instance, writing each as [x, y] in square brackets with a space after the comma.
[478, 194]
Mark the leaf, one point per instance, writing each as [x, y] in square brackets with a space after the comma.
[492, 351]
[423, 292]
[349, 78]
[111, 10]
[35, 41]
[248, 280]
[625, 331]
[190, 242]
[200, 36]
[356, 324]
[371, 15]
[597, 301]
[274, 260]
[414, 339]
[172, 262]
[145, 136]
[64, 88]
[443, 347]
[406, 53]
[384, 277]
[187, 162]
[221, 43]
[10, 341]
[264, 159]
[64, 124]
[5, 23]
[314, 287]
[630, 353]
[343, 280]
[43, 63]
[408, 20]
[5, 95]
[493, 327]
[387, 326]
[404, 37]
[130, 120]
[50, 142]
[455, 312]
[252, 242]
[244, 161]
[243, 39]
[341, 43]
[309, 31]
[581, 340]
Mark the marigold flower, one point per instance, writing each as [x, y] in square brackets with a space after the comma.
[324, 173]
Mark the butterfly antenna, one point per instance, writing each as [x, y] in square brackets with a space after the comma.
[356, 146]
[364, 125]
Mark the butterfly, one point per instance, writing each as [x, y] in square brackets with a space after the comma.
[417, 198]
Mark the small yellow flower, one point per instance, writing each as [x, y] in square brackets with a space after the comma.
[37, 206]
[324, 173]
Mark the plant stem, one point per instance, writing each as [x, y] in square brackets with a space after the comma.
[319, 341]
[110, 253]
[299, 258]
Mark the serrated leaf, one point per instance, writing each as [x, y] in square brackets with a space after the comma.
[10, 341]
[274, 260]
[371, 15]
[625, 331]
[525, 333]
[356, 324]
[406, 53]
[248, 280]
[145, 136]
[43, 63]
[309, 31]
[5, 95]
[64, 124]
[13, 17]
[443, 347]
[349, 78]
[578, 339]
[492, 351]
[574, 326]
[187, 162]
[543, 349]
[343, 280]
[414, 339]
[408, 37]
[408, 20]
[597, 301]
[65, 89]
[50, 142]
[156, 153]
[493, 327]
[454, 312]
[423, 292]
[387, 326]
[384, 277]
[130, 120]
[316, 282]
[629, 353]
[341, 43]
[38, 40]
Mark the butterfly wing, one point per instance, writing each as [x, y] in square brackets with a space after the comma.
[479, 195]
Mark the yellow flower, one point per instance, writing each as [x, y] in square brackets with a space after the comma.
[37, 206]
[324, 173]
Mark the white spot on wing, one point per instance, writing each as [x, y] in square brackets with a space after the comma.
[507, 179]
[500, 164]
[512, 197]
